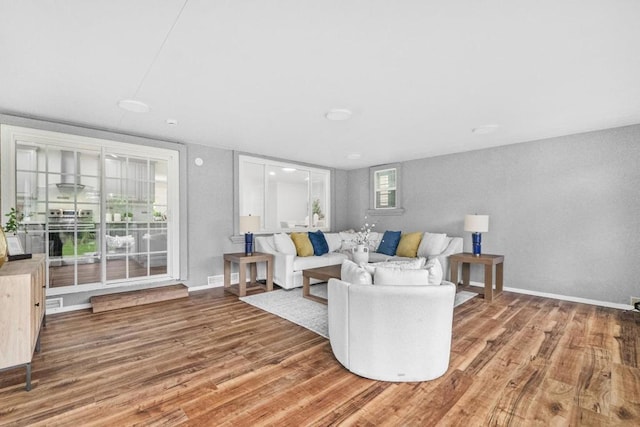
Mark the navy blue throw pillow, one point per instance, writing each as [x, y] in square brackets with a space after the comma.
[319, 243]
[389, 243]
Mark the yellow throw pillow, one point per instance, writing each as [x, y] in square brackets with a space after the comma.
[408, 246]
[303, 244]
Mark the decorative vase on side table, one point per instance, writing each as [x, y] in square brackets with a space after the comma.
[360, 254]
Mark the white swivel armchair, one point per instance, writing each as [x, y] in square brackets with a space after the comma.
[391, 333]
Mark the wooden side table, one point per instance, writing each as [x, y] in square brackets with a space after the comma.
[242, 260]
[489, 261]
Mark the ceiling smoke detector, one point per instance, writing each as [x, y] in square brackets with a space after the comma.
[338, 114]
[133, 106]
[484, 129]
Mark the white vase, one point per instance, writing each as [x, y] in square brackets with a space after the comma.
[360, 254]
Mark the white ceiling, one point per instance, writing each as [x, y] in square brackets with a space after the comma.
[259, 76]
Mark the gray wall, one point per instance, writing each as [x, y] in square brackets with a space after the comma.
[564, 211]
[210, 212]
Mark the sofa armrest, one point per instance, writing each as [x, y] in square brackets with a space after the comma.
[454, 247]
[282, 263]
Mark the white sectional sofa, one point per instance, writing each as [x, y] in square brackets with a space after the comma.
[287, 270]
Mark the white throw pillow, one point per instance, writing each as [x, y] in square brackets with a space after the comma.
[434, 268]
[400, 276]
[347, 240]
[334, 241]
[413, 264]
[432, 244]
[284, 244]
[355, 274]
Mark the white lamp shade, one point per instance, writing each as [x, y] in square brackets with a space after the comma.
[476, 223]
[249, 224]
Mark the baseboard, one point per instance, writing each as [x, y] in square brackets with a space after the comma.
[561, 297]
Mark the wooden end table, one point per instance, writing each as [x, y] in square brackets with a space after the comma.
[489, 261]
[242, 260]
[320, 273]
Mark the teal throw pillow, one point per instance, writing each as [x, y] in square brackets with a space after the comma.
[319, 243]
[389, 243]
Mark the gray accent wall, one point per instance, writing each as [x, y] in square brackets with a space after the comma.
[564, 211]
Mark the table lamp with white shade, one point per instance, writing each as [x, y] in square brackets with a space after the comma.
[476, 224]
[249, 224]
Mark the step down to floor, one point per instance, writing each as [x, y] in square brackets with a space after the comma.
[108, 302]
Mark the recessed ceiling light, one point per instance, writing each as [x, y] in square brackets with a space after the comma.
[272, 173]
[354, 156]
[133, 106]
[288, 170]
[485, 129]
[337, 114]
[172, 122]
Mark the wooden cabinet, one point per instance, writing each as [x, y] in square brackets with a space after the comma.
[22, 311]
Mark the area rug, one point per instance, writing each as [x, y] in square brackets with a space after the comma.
[290, 305]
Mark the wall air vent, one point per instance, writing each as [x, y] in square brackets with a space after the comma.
[54, 304]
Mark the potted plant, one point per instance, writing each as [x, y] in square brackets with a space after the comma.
[128, 216]
[13, 224]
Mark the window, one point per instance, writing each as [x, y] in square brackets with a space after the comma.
[99, 210]
[385, 190]
[286, 196]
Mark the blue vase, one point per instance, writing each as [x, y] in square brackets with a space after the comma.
[477, 243]
[248, 244]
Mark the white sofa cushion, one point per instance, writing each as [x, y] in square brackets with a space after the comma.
[284, 244]
[432, 244]
[407, 263]
[356, 274]
[400, 276]
[434, 268]
[347, 239]
[334, 241]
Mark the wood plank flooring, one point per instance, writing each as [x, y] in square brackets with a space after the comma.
[213, 360]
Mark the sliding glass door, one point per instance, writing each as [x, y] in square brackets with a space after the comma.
[100, 210]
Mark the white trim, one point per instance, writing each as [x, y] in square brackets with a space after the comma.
[125, 283]
[69, 308]
[561, 297]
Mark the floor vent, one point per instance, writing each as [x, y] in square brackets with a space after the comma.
[54, 303]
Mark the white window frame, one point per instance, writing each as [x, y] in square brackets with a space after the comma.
[241, 158]
[373, 190]
[10, 135]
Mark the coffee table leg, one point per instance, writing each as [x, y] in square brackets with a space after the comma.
[306, 286]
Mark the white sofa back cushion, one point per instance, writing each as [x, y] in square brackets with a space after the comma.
[432, 244]
[353, 273]
[347, 239]
[400, 276]
[284, 244]
[334, 241]
[409, 264]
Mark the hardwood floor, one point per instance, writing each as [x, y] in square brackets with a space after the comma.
[213, 360]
